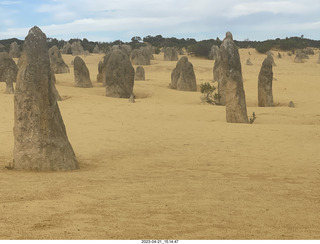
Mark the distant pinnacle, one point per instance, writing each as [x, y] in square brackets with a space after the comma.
[229, 35]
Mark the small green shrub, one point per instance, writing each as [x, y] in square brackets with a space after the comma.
[207, 88]
[208, 96]
[264, 47]
[251, 120]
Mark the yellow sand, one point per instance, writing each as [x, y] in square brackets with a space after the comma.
[169, 166]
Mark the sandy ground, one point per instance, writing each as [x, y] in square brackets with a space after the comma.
[169, 166]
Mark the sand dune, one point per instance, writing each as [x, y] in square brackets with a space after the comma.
[169, 166]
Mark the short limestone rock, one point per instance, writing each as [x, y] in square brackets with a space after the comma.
[101, 71]
[76, 48]
[138, 57]
[66, 49]
[147, 51]
[119, 74]
[308, 51]
[123, 47]
[81, 73]
[265, 96]
[40, 138]
[183, 77]
[56, 61]
[131, 99]
[181, 51]
[14, 50]
[8, 71]
[213, 54]
[96, 49]
[231, 74]
[140, 74]
[216, 68]
[300, 56]
[170, 54]
[126, 49]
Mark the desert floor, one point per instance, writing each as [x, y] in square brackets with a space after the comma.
[169, 166]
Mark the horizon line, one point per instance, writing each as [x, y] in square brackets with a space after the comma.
[245, 40]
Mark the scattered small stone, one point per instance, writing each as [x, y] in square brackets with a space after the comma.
[249, 62]
[131, 99]
[10, 166]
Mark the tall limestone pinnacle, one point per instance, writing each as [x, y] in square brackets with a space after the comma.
[40, 138]
[265, 96]
[236, 108]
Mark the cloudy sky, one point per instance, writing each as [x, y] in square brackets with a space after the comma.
[109, 20]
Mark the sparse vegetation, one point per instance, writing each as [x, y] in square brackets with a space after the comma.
[198, 48]
[287, 44]
[265, 46]
[251, 120]
[208, 94]
[202, 48]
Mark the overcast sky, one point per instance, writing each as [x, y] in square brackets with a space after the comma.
[109, 20]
